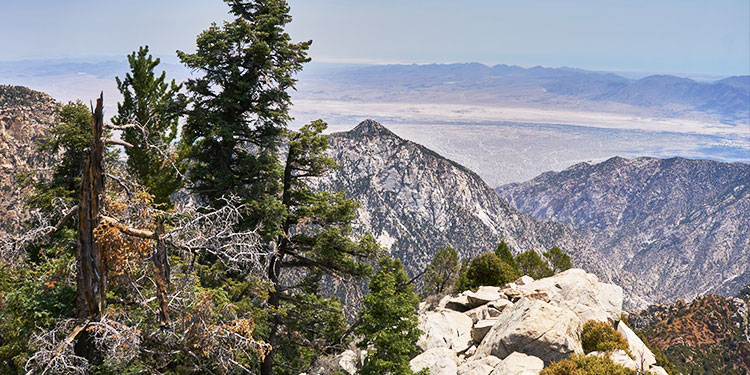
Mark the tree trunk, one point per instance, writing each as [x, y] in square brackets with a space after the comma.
[91, 278]
[160, 266]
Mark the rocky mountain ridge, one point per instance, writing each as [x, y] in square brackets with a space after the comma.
[415, 201]
[679, 228]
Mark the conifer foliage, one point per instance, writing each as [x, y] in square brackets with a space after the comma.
[149, 111]
[236, 143]
[442, 272]
[389, 321]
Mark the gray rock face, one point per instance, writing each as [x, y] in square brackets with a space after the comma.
[671, 228]
[414, 201]
[535, 328]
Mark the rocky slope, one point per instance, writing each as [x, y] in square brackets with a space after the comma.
[709, 335]
[676, 228]
[25, 117]
[515, 330]
[415, 201]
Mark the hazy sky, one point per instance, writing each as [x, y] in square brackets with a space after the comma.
[676, 36]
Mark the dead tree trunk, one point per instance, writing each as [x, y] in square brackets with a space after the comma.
[92, 273]
[160, 266]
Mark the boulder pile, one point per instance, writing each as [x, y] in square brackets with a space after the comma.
[521, 328]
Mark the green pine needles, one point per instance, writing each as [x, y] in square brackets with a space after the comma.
[389, 321]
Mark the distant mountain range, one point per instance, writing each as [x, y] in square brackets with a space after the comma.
[475, 83]
[661, 228]
[680, 227]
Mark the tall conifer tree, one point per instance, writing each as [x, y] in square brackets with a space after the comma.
[153, 105]
[237, 143]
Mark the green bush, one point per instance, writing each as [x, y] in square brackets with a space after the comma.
[586, 365]
[488, 269]
[601, 337]
[530, 263]
[442, 272]
[559, 260]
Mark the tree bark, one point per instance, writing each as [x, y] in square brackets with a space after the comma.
[160, 266]
[274, 268]
[91, 278]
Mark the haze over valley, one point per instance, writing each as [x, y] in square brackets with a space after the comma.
[507, 123]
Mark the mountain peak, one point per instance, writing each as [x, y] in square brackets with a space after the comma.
[371, 128]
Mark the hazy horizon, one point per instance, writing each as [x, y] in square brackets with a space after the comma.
[686, 38]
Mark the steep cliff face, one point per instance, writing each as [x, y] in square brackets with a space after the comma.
[679, 227]
[25, 118]
[414, 201]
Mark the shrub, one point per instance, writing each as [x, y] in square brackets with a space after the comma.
[559, 260]
[441, 273]
[601, 337]
[488, 269]
[530, 263]
[586, 365]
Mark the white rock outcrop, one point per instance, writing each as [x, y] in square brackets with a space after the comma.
[536, 328]
[483, 295]
[643, 356]
[580, 292]
[481, 328]
[442, 329]
[524, 280]
[519, 364]
[482, 366]
[438, 361]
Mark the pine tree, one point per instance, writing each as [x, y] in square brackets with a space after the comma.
[389, 321]
[442, 272]
[462, 280]
[237, 144]
[315, 243]
[151, 104]
[70, 138]
[240, 105]
[504, 253]
[530, 263]
[559, 260]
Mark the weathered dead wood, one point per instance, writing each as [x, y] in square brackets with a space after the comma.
[135, 232]
[117, 142]
[91, 277]
[160, 266]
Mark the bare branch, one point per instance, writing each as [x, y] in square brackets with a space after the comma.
[214, 231]
[135, 232]
[117, 142]
[120, 127]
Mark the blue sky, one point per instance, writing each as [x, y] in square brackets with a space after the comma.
[671, 36]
